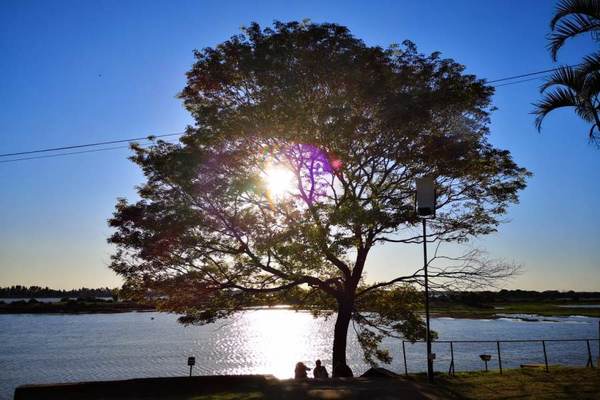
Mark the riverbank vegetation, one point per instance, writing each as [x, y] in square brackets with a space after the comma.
[22, 291]
[485, 304]
[71, 306]
[488, 304]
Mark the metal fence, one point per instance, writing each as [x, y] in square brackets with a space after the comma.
[542, 342]
[487, 357]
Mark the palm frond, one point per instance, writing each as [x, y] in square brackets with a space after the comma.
[590, 8]
[590, 63]
[594, 138]
[565, 76]
[559, 98]
[569, 27]
[586, 112]
[591, 87]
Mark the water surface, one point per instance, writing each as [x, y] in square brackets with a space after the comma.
[58, 348]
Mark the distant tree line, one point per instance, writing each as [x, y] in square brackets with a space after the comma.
[293, 297]
[518, 295]
[18, 291]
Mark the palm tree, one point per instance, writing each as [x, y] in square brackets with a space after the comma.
[573, 18]
[572, 87]
[579, 86]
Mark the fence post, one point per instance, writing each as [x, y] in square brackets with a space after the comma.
[499, 357]
[451, 369]
[590, 363]
[404, 355]
[545, 355]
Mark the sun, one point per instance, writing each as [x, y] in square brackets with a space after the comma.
[279, 181]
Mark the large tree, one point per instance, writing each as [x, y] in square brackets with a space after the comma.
[303, 158]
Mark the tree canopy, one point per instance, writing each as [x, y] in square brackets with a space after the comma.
[303, 157]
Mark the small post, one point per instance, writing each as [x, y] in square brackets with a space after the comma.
[485, 358]
[451, 369]
[404, 355]
[589, 363]
[545, 355]
[191, 361]
[499, 357]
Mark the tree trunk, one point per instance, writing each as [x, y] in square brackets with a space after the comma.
[340, 335]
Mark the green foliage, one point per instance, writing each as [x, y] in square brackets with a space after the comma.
[355, 125]
[384, 313]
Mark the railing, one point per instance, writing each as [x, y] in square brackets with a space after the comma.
[498, 349]
[589, 362]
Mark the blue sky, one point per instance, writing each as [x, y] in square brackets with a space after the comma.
[79, 71]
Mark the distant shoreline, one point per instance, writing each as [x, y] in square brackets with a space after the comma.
[79, 306]
[524, 311]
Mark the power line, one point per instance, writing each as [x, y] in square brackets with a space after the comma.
[63, 154]
[67, 154]
[78, 146]
[520, 81]
[531, 74]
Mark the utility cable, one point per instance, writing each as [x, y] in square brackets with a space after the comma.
[68, 153]
[78, 146]
[531, 74]
[530, 77]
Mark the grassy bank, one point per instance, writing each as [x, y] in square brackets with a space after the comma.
[549, 309]
[559, 383]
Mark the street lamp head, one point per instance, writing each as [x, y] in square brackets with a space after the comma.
[426, 200]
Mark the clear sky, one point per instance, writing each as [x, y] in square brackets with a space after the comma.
[75, 72]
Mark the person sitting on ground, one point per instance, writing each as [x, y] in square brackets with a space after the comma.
[300, 371]
[342, 370]
[320, 372]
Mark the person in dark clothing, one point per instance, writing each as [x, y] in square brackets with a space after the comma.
[300, 371]
[320, 372]
[342, 371]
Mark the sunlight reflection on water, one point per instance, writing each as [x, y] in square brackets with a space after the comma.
[55, 348]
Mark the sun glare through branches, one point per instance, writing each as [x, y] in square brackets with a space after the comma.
[279, 181]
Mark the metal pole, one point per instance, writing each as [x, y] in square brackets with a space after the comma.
[404, 354]
[499, 358]
[427, 332]
[545, 355]
[590, 363]
[191, 366]
[451, 369]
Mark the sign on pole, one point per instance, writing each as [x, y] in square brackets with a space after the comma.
[191, 363]
[426, 197]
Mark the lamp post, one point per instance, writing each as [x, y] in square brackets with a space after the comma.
[425, 211]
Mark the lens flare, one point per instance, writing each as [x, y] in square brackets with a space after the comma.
[279, 180]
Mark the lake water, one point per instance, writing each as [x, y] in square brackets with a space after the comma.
[60, 348]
